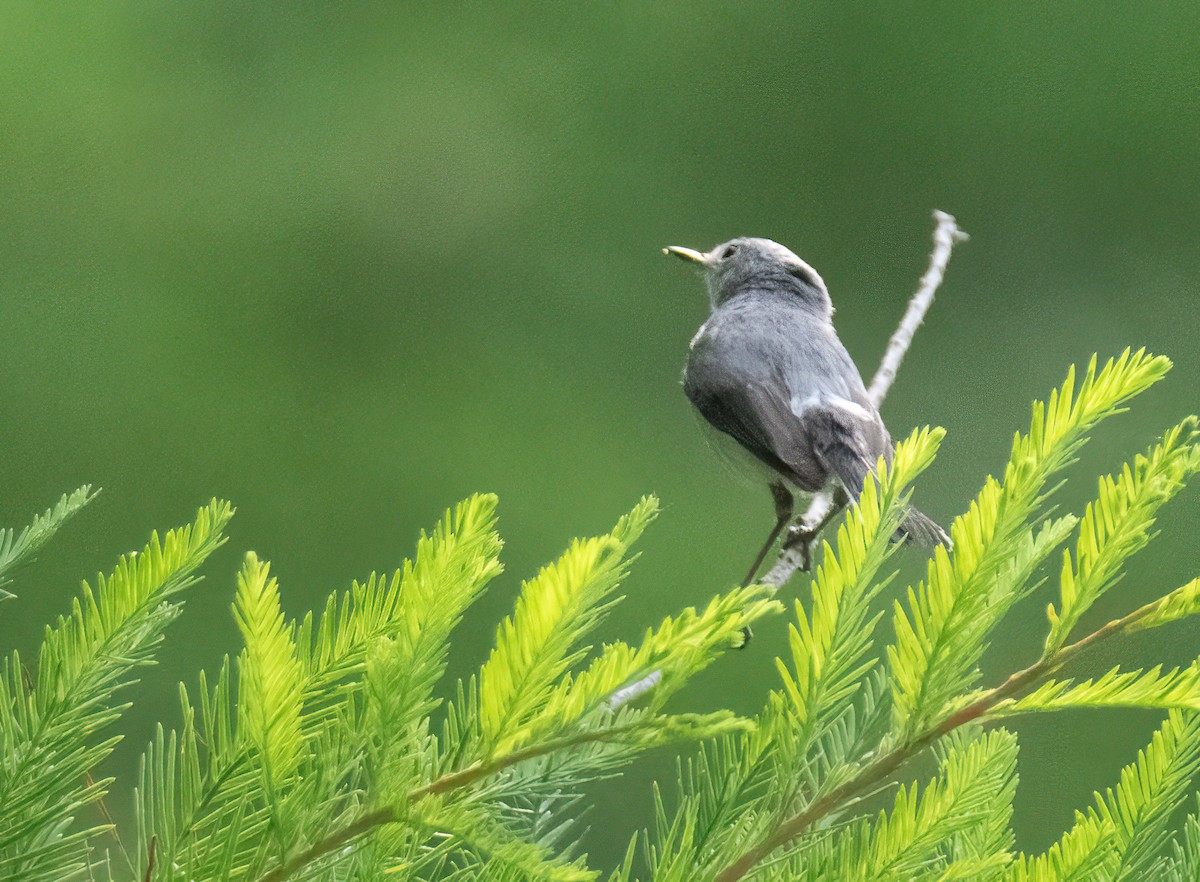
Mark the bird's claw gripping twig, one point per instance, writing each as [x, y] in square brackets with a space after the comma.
[800, 536]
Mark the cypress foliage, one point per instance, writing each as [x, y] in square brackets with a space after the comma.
[328, 749]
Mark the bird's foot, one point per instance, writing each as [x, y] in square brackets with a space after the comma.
[800, 538]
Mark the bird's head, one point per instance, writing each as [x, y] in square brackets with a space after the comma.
[761, 264]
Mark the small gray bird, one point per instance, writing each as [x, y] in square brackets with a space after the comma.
[768, 371]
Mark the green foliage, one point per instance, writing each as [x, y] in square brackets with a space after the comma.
[1122, 837]
[1178, 688]
[940, 639]
[544, 637]
[314, 754]
[327, 751]
[16, 548]
[955, 827]
[1117, 525]
[787, 800]
[48, 724]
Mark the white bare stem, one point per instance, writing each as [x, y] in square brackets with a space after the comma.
[944, 236]
[795, 554]
[628, 693]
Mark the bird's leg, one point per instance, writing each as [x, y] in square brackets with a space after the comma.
[783, 513]
[784, 508]
[802, 535]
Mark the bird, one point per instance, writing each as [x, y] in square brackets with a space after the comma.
[769, 374]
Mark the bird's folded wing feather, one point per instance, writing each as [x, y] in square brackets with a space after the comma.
[807, 444]
[748, 412]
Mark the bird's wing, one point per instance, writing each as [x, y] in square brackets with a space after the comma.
[846, 439]
[790, 396]
[752, 415]
[827, 438]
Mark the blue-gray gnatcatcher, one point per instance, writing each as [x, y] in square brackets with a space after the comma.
[768, 371]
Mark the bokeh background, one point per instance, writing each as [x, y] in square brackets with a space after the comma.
[346, 263]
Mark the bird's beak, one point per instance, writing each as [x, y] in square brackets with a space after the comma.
[687, 254]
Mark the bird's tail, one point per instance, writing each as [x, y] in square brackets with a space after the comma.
[923, 530]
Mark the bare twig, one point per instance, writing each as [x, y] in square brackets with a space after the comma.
[626, 694]
[944, 236]
[797, 547]
[150, 859]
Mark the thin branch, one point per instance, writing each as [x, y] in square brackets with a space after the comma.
[880, 769]
[150, 859]
[797, 548]
[626, 694]
[90, 782]
[944, 236]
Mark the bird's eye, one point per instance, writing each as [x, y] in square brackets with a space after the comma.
[729, 252]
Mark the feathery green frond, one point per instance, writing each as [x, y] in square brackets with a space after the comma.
[1149, 792]
[1179, 604]
[470, 828]
[420, 604]
[47, 730]
[542, 638]
[320, 755]
[682, 646]
[284, 787]
[1121, 839]
[973, 789]
[1184, 865]
[921, 837]
[1118, 523]
[14, 548]
[1081, 855]
[1176, 688]
[941, 637]
[811, 727]
[269, 695]
[205, 807]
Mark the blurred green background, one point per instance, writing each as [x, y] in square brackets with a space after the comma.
[346, 263]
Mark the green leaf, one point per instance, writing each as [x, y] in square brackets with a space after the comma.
[542, 639]
[472, 829]
[47, 730]
[829, 650]
[941, 637]
[1122, 838]
[1176, 688]
[1179, 604]
[1184, 865]
[923, 834]
[1081, 855]
[419, 606]
[269, 685]
[1118, 524]
[682, 646]
[15, 549]
[203, 802]
[1148, 794]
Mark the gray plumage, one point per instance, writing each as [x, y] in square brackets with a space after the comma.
[768, 370]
